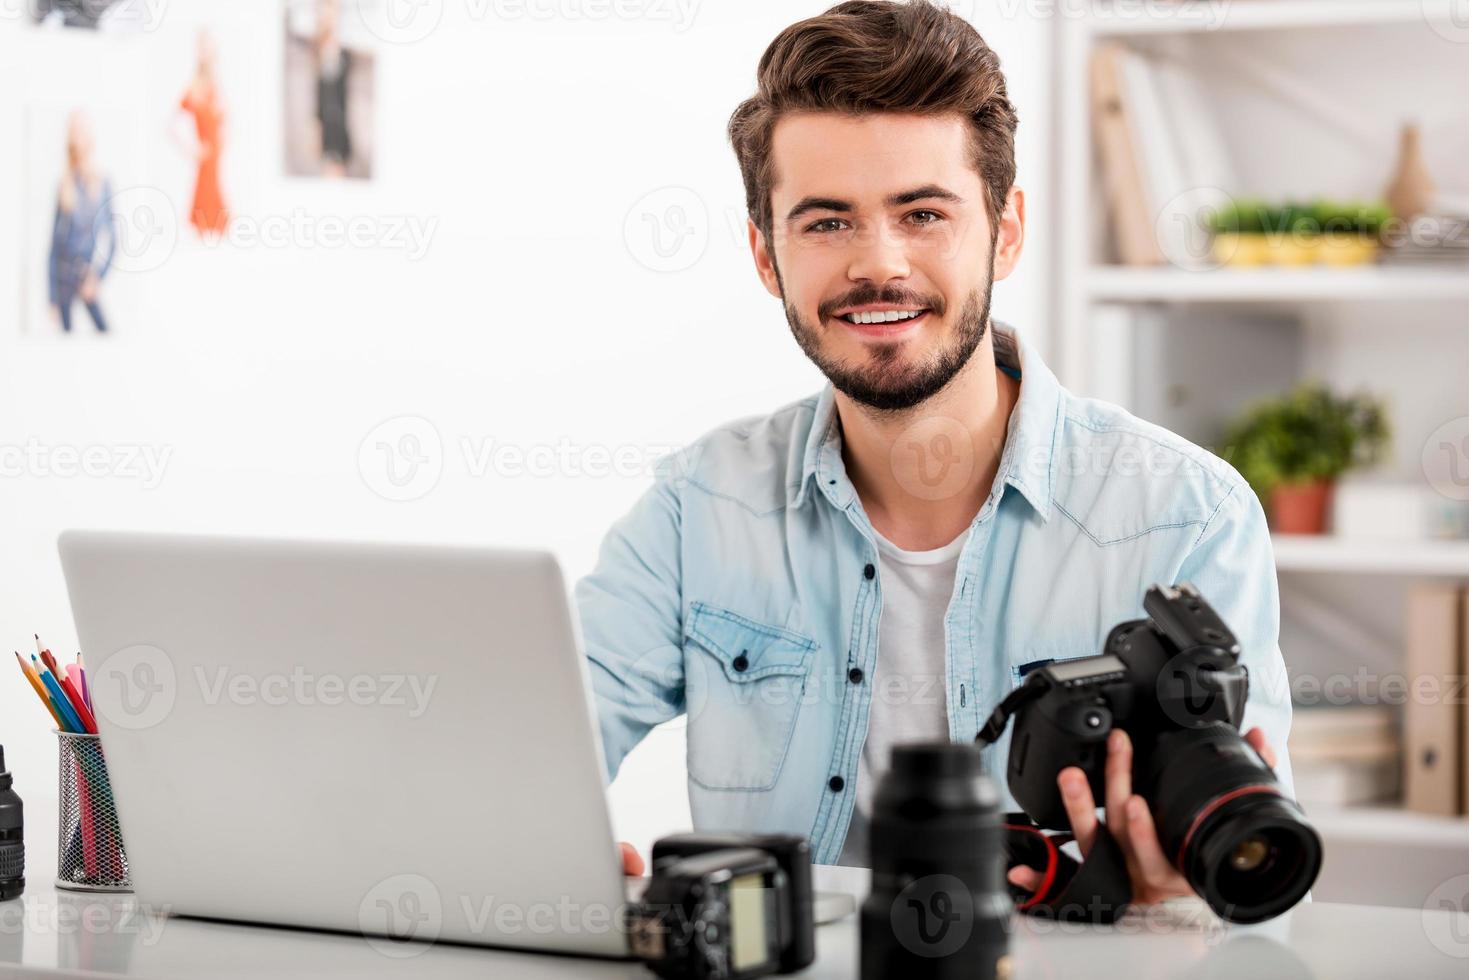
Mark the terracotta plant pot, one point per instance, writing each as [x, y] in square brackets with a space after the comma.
[1300, 508]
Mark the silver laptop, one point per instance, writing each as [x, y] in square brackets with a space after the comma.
[391, 740]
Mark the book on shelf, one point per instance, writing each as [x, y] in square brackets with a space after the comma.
[1433, 717]
[1164, 159]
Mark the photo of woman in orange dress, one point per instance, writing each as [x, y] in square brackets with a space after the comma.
[201, 101]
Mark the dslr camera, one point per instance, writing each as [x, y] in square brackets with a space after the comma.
[1174, 683]
[726, 906]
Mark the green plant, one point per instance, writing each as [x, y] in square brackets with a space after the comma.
[1253, 216]
[1306, 435]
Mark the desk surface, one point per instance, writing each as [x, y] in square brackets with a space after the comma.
[76, 934]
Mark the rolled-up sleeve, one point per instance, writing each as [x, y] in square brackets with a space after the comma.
[1233, 566]
[630, 608]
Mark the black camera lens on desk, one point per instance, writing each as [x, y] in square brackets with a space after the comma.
[12, 837]
[938, 907]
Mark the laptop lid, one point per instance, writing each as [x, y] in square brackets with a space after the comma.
[389, 739]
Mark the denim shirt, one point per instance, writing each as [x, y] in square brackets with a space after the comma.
[742, 591]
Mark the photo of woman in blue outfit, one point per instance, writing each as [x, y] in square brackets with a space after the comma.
[84, 233]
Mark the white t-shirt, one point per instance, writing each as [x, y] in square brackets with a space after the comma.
[908, 700]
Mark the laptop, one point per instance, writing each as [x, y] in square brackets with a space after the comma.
[391, 740]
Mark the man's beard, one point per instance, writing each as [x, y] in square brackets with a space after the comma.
[885, 383]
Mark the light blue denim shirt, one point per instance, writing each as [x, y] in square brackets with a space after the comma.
[742, 590]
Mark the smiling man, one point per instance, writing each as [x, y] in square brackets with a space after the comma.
[885, 560]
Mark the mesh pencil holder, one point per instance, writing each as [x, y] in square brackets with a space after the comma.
[89, 851]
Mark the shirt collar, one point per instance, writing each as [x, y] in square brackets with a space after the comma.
[1027, 462]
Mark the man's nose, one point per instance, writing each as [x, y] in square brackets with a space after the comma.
[878, 255]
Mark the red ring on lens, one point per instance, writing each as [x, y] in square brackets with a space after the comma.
[1215, 804]
[1052, 859]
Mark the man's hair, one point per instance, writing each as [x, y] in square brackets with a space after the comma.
[866, 56]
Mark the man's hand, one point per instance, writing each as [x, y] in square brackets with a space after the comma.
[1154, 878]
[632, 861]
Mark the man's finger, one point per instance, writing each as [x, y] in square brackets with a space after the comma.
[1026, 877]
[1081, 809]
[632, 861]
[1119, 781]
[1147, 853]
[1256, 738]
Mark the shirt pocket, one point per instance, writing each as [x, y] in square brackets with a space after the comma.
[743, 686]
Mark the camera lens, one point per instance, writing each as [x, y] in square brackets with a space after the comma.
[1222, 818]
[938, 907]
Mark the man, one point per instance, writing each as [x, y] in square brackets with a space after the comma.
[885, 560]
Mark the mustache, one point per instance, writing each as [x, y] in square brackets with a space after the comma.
[872, 294]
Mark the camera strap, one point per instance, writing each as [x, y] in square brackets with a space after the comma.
[1095, 890]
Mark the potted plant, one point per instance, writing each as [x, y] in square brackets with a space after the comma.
[1350, 231]
[1251, 232]
[1293, 448]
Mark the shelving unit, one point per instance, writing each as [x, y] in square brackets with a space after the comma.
[1364, 284]
[1095, 296]
[1324, 553]
[1271, 15]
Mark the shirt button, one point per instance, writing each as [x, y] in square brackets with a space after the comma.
[855, 675]
[869, 571]
[836, 783]
[741, 662]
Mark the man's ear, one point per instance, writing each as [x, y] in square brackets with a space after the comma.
[1011, 235]
[764, 263]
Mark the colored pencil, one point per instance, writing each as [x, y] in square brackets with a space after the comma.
[73, 720]
[35, 682]
[78, 704]
[86, 689]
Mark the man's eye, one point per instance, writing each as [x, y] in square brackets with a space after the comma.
[825, 224]
[933, 216]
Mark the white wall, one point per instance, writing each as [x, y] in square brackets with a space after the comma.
[527, 320]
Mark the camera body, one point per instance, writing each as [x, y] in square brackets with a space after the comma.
[726, 905]
[1177, 670]
[1174, 683]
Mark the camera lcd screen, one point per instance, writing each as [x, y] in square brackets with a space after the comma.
[749, 945]
[1070, 670]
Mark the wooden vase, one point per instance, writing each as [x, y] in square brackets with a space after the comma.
[1411, 191]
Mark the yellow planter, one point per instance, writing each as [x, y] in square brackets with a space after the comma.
[1294, 250]
[1344, 251]
[1230, 248]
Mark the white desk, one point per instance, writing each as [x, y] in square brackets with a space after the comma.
[71, 934]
